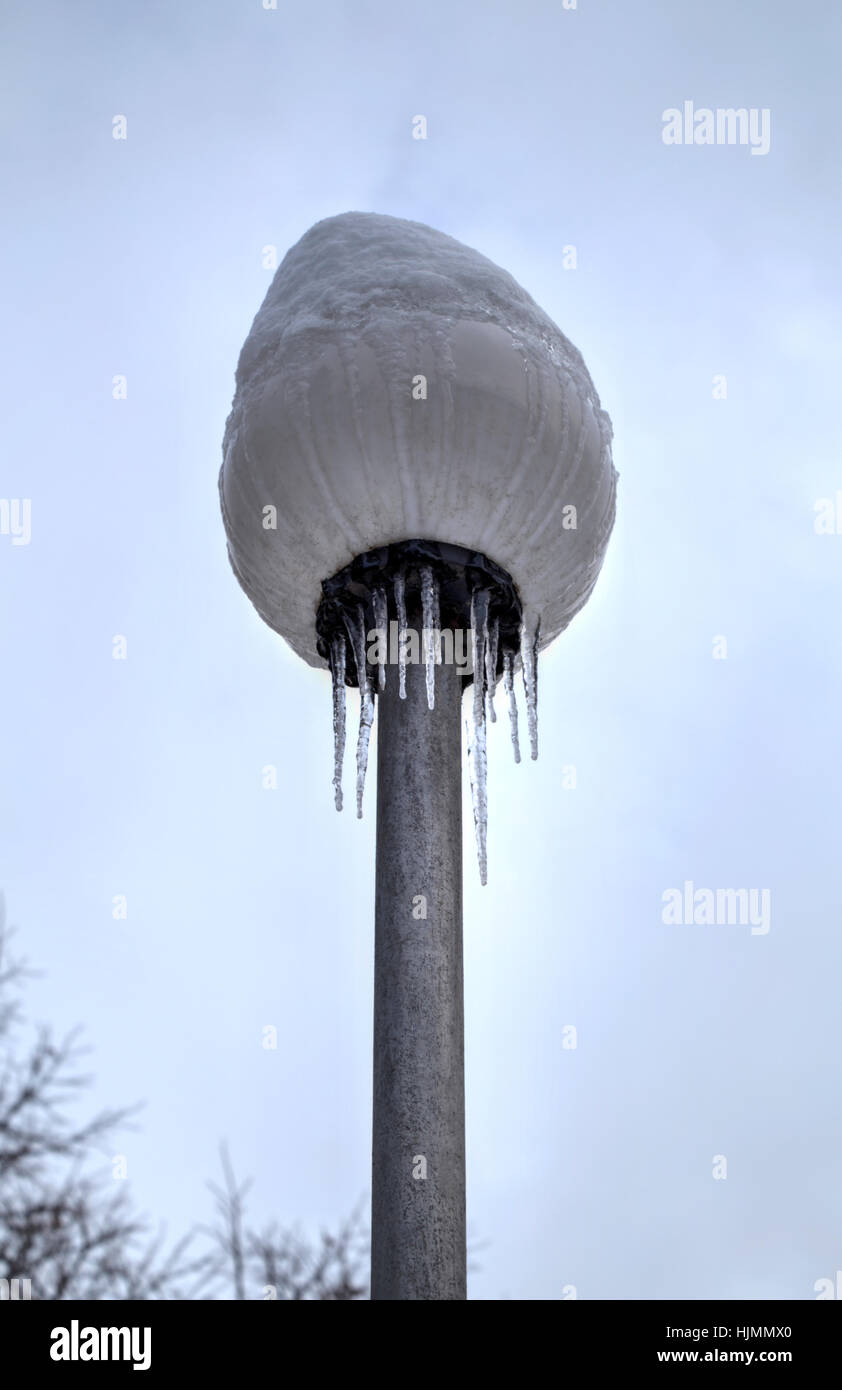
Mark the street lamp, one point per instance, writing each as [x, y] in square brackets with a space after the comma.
[415, 453]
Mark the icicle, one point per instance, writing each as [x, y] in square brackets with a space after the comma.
[437, 618]
[337, 671]
[429, 629]
[477, 769]
[529, 658]
[381, 623]
[479, 631]
[509, 687]
[366, 721]
[400, 605]
[356, 632]
[492, 636]
[477, 753]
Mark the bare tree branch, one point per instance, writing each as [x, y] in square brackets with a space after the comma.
[63, 1227]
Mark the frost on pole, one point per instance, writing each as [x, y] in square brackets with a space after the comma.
[498, 483]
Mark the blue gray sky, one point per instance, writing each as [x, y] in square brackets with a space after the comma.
[591, 1167]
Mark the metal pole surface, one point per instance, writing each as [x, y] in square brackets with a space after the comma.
[418, 1151]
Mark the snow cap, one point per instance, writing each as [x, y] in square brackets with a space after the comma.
[397, 385]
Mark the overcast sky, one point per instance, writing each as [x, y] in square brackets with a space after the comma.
[590, 1167]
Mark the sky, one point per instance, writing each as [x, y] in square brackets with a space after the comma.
[697, 694]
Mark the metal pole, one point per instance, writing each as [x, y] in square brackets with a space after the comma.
[418, 1152]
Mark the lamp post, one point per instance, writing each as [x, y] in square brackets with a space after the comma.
[415, 451]
[418, 1147]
